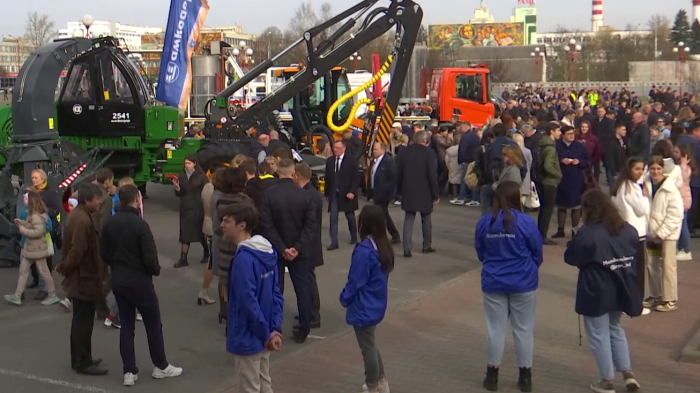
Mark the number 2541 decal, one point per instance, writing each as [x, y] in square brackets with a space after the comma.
[121, 117]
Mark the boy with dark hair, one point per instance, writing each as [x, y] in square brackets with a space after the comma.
[267, 174]
[255, 301]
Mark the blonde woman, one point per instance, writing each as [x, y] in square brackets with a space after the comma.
[665, 223]
[512, 161]
[40, 184]
[525, 188]
[115, 199]
[35, 249]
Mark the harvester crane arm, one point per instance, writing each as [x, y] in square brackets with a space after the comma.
[404, 15]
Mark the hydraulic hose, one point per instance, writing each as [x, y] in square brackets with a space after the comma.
[364, 101]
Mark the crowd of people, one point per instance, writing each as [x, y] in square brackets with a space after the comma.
[261, 215]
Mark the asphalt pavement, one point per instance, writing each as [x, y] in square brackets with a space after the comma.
[34, 340]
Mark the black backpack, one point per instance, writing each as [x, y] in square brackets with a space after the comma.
[537, 172]
[493, 165]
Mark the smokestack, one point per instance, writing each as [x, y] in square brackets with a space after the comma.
[597, 20]
[696, 10]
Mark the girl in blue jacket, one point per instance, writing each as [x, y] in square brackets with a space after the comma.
[366, 292]
[509, 246]
[605, 252]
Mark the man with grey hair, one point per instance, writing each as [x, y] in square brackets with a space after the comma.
[417, 183]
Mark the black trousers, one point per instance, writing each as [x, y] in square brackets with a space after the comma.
[144, 299]
[389, 222]
[315, 298]
[81, 334]
[300, 273]
[548, 196]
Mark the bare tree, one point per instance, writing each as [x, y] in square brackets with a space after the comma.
[39, 29]
[272, 41]
[500, 69]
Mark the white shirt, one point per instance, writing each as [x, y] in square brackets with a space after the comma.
[375, 167]
[338, 162]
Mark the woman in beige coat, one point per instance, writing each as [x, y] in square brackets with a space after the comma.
[207, 230]
[665, 222]
[35, 250]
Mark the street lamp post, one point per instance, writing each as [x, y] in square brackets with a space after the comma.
[572, 50]
[355, 57]
[537, 55]
[681, 50]
[87, 22]
[244, 56]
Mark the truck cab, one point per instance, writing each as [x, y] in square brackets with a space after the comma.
[462, 92]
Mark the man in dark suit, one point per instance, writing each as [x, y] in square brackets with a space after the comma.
[382, 185]
[288, 221]
[418, 186]
[342, 183]
[303, 180]
[603, 127]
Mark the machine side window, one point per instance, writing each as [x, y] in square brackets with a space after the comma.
[79, 84]
[343, 88]
[469, 87]
[115, 85]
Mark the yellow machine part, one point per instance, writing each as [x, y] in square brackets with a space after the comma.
[364, 101]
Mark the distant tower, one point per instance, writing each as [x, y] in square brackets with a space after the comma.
[696, 10]
[597, 20]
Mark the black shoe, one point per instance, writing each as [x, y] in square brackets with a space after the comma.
[396, 240]
[333, 247]
[559, 235]
[548, 242]
[113, 322]
[182, 262]
[428, 250]
[93, 370]
[299, 337]
[41, 295]
[95, 362]
[525, 379]
[296, 317]
[407, 254]
[314, 325]
[491, 380]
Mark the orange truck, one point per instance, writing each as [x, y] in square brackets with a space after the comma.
[464, 92]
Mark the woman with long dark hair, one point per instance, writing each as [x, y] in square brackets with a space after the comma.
[604, 251]
[188, 187]
[509, 245]
[633, 204]
[366, 292]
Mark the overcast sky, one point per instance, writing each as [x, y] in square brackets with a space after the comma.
[254, 15]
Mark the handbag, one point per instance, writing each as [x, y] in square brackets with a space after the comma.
[49, 243]
[531, 201]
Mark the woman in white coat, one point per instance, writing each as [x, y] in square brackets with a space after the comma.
[634, 206]
[665, 222]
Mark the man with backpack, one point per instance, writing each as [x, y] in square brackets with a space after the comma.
[548, 176]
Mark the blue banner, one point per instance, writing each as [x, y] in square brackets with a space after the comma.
[184, 23]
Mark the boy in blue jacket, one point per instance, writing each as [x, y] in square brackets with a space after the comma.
[255, 301]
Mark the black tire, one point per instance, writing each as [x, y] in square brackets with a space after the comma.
[217, 153]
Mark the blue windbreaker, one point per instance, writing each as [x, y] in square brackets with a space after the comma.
[366, 293]
[255, 302]
[511, 258]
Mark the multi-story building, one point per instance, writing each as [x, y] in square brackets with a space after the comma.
[13, 53]
[129, 33]
[562, 38]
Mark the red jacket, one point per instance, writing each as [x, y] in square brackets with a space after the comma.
[592, 143]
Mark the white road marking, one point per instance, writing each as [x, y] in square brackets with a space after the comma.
[407, 290]
[315, 337]
[51, 381]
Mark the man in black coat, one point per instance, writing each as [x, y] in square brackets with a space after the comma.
[127, 246]
[418, 186]
[641, 138]
[603, 127]
[303, 180]
[342, 183]
[288, 221]
[382, 185]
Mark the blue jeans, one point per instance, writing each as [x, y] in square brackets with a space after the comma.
[684, 240]
[608, 343]
[486, 198]
[521, 309]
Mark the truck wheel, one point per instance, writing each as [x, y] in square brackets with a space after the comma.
[219, 153]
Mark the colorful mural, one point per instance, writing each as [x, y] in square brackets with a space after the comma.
[467, 35]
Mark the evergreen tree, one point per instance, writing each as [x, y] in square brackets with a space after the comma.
[681, 31]
[694, 41]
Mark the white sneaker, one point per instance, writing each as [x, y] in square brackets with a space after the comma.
[457, 201]
[473, 203]
[139, 317]
[382, 388]
[684, 256]
[66, 304]
[130, 379]
[646, 311]
[397, 203]
[169, 372]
